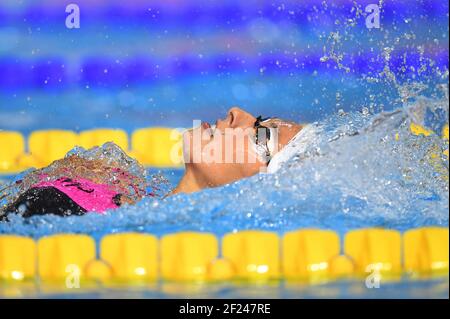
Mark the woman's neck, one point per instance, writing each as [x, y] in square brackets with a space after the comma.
[188, 184]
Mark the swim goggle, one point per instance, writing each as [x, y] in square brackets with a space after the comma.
[265, 138]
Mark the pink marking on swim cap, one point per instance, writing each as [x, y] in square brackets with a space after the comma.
[89, 195]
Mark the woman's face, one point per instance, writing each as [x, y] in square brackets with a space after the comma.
[233, 148]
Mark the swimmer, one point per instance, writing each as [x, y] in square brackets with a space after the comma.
[236, 147]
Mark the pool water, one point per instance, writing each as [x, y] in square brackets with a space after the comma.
[363, 170]
[313, 63]
[415, 289]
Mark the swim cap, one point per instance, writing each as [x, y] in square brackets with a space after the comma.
[295, 146]
[90, 196]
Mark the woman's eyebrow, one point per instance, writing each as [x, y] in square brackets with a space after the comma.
[272, 122]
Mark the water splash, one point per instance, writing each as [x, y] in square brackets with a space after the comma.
[363, 170]
[106, 165]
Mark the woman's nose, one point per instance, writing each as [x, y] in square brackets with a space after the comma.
[237, 117]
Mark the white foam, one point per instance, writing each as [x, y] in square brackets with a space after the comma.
[296, 146]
